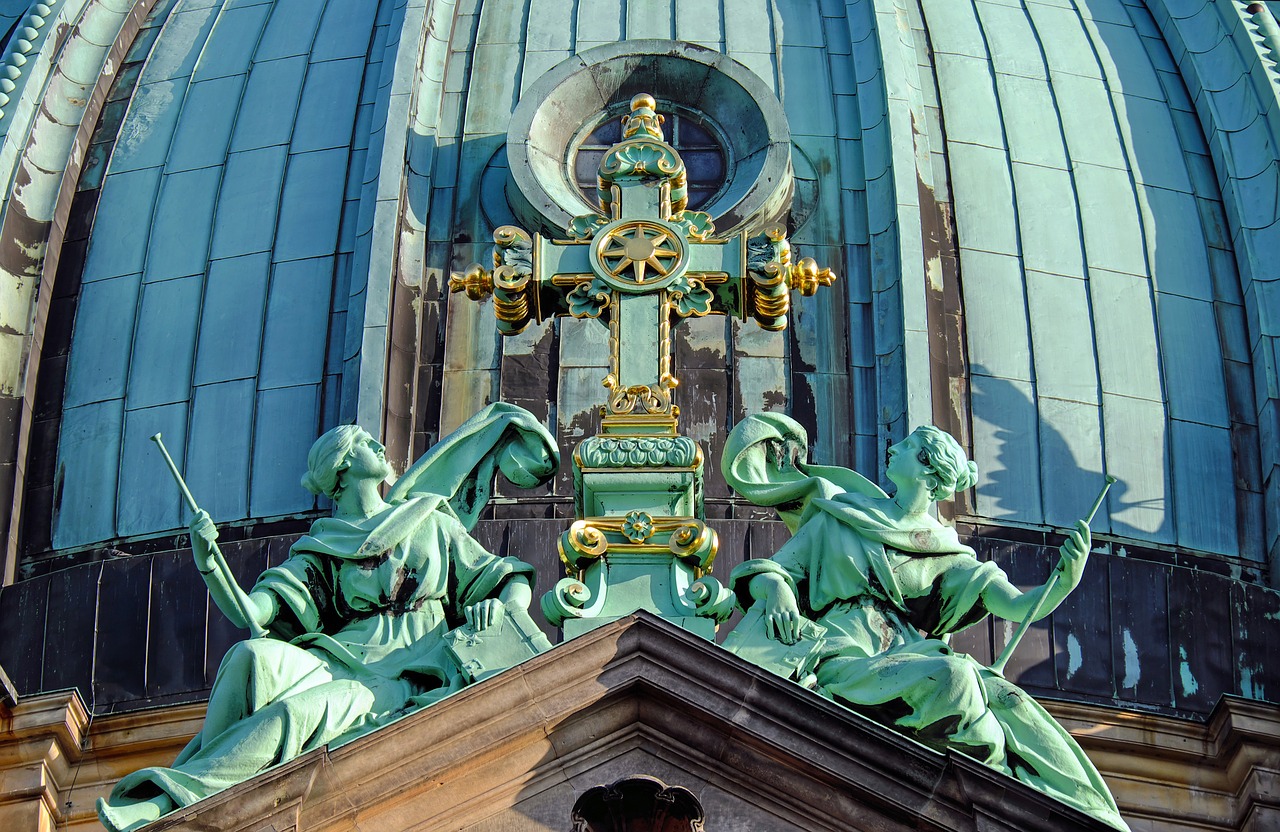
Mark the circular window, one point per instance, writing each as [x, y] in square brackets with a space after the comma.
[693, 136]
[726, 123]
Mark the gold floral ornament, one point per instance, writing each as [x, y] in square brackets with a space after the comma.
[638, 526]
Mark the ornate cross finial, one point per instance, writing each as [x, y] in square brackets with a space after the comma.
[643, 118]
[639, 264]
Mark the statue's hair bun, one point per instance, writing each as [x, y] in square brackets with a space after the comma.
[327, 458]
[968, 476]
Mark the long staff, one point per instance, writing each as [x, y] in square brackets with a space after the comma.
[998, 664]
[215, 556]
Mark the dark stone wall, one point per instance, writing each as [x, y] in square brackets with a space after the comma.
[1157, 630]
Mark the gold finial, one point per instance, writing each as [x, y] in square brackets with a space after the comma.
[643, 119]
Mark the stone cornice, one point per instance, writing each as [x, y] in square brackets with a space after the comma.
[642, 686]
[639, 684]
[55, 759]
[1182, 774]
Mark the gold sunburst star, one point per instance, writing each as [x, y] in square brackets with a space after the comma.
[643, 248]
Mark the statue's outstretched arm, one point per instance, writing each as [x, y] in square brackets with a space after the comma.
[461, 466]
[766, 460]
[1006, 601]
[229, 597]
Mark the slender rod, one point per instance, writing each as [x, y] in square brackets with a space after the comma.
[999, 664]
[219, 562]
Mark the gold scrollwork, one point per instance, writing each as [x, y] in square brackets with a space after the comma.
[686, 537]
[695, 539]
[511, 295]
[510, 236]
[648, 398]
[587, 539]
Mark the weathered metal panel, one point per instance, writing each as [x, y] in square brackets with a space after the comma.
[1125, 335]
[1192, 360]
[84, 506]
[1139, 602]
[1048, 221]
[100, 348]
[204, 126]
[1082, 652]
[286, 422]
[311, 204]
[1255, 620]
[147, 500]
[1032, 127]
[270, 102]
[250, 197]
[218, 448]
[117, 248]
[164, 342]
[1113, 236]
[1070, 460]
[232, 42]
[178, 240]
[296, 330]
[1135, 432]
[1200, 628]
[290, 31]
[179, 611]
[231, 315]
[1006, 449]
[1202, 476]
[123, 602]
[1061, 337]
[23, 616]
[69, 630]
[967, 88]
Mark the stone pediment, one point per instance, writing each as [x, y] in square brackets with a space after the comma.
[638, 696]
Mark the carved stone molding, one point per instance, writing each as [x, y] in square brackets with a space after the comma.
[637, 803]
[640, 696]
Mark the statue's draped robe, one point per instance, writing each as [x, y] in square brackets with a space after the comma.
[275, 699]
[879, 584]
[363, 610]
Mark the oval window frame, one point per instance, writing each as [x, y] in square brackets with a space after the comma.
[554, 109]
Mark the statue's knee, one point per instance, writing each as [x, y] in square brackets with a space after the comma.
[245, 656]
[958, 682]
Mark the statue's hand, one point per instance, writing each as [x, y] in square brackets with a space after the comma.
[782, 617]
[204, 540]
[1075, 552]
[485, 614]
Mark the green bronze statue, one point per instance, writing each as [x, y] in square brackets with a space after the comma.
[386, 606]
[859, 602]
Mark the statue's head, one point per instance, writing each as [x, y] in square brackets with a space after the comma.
[338, 451]
[936, 459]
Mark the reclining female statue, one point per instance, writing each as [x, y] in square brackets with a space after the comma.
[356, 617]
[888, 582]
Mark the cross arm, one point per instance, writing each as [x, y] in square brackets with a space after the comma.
[530, 277]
